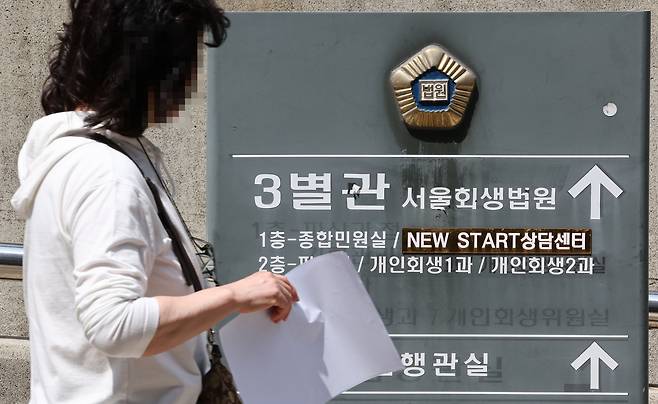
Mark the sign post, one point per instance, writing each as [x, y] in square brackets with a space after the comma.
[486, 173]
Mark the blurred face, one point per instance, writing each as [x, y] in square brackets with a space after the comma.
[166, 102]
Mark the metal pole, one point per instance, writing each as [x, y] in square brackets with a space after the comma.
[11, 261]
[653, 302]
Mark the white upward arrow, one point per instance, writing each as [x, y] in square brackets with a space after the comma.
[594, 354]
[594, 179]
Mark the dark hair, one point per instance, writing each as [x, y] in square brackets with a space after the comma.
[116, 54]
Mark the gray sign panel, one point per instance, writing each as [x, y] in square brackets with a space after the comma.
[308, 154]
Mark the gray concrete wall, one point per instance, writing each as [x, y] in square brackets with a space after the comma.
[28, 30]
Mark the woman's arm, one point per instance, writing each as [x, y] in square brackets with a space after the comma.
[183, 317]
[115, 234]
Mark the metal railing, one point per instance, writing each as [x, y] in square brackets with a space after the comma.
[653, 302]
[11, 261]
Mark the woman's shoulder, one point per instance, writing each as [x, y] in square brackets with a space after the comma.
[96, 164]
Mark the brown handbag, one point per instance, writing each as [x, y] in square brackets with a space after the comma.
[217, 384]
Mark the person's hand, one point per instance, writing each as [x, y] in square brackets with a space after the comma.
[265, 290]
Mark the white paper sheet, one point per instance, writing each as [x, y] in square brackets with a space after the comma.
[333, 340]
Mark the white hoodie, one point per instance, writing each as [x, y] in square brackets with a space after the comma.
[95, 254]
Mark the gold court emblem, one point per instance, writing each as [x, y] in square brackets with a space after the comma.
[433, 89]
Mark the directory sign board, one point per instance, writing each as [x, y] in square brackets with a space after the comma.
[486, 173]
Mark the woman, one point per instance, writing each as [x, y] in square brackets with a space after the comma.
[111, 318]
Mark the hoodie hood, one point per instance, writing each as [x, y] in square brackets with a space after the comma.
[40, 153]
